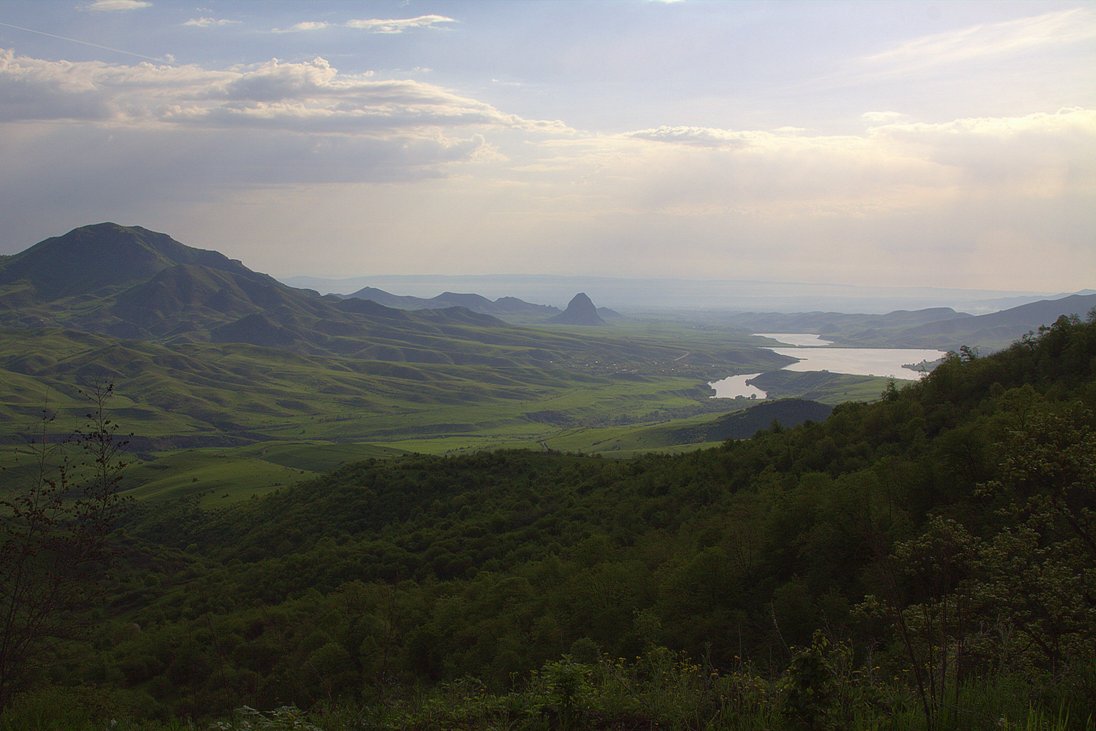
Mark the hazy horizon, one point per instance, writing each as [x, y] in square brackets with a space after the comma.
[891, 144]
[654, 294]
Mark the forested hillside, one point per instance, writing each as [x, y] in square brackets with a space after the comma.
[925, 561]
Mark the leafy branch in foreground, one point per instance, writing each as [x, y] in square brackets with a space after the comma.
[54, 533]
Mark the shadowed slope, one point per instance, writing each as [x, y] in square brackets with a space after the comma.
[104, 255]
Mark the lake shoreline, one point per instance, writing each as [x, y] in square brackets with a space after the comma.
[812, 353]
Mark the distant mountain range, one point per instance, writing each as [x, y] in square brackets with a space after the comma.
[636, 295]
[130, 282]
[998, 329]
[134, 284]
[213, 352]
[938, 327]
[510, 309]
[502, 307]
[209, 352]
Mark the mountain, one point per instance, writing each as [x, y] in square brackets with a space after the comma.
[129, 282]
[846, 328]
[399, 302]
[103, 256]
[580, 311]
[948, 330]
[209, 351]
[138, 285]
[996, 330]
[607, 314]
[502, 307]
[937, 327]
[510, 306]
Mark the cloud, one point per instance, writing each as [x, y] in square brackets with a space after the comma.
[970, 202]
[443, 174]
[309, 96]
[398, 25]
[207, 22]
[388, 26]
[987, 41]
[883, 117]
[304, 27]
[37, 90]
[1035, 155]
[699, 136]
[117, 5]
[897, 168]
[275, 80]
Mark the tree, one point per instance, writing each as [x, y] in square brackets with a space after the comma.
[1041, 565]
[54, 536]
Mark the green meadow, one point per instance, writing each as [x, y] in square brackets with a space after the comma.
[228, 421]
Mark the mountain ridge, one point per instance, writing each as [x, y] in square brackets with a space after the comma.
[501, 307]
[133, 283]
[103, 255]
[940, 327]
[145, 287]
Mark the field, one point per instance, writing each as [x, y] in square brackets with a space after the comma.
[228, 421]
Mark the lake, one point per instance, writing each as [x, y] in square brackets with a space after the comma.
[736, 386]
[803, 340]
[814, 355]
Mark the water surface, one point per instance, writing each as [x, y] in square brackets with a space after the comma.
[735, 386]
[884, 362]
[812, 354]
[803, 340]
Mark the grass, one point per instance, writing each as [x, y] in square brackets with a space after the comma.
[222, 476]
[228, 421]
[622, 441]
[218, 476]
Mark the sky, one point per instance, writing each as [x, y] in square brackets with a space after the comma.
[929, 144]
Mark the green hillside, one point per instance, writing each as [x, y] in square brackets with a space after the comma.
[103, 256]
[923, 562]
[205, 352]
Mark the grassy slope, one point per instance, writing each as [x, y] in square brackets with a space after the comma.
[212, 415]
[223, 476]
[200, 387]
[229, 421]
[222, 401]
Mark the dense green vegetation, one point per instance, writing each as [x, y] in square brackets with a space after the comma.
[925, 561]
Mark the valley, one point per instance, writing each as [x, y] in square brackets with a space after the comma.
[618, 365]
[343, 507]
[214, 363]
